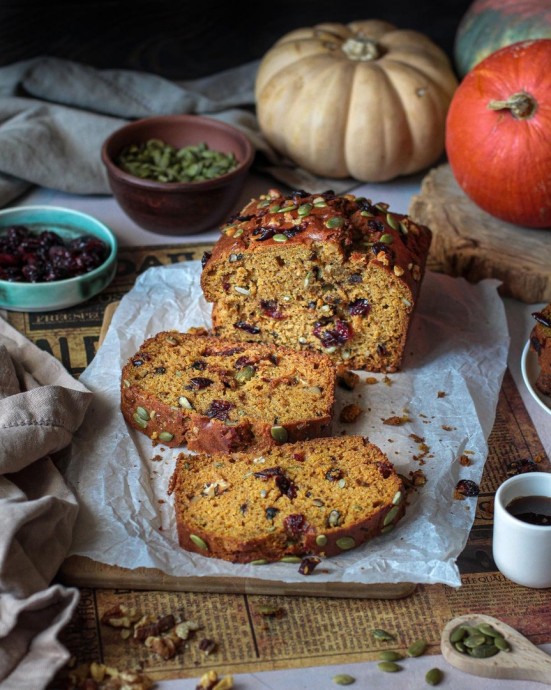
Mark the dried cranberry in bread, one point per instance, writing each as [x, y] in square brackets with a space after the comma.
[211, 395]
[540, 343]
[322, 496]
[336, 274]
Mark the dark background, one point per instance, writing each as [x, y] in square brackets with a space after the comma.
[184, 40]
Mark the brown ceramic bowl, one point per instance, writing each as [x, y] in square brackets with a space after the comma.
[178, 208]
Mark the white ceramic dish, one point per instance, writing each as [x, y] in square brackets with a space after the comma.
[530, 371]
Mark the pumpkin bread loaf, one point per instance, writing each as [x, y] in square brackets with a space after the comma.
[335, 274]
[540, 343]
[316, 497]
[212, 395]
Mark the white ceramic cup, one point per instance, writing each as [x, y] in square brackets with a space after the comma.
[522, 551]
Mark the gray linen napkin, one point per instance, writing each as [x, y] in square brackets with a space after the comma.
[41, 406]
[55, 115]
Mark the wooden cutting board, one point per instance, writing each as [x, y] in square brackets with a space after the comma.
[79, 571]
[470, 243]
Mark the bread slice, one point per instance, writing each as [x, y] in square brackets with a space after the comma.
[320, 497]
[212, 395]
[540, 343]
[335, 274]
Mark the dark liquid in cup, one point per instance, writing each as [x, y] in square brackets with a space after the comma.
[535, 510]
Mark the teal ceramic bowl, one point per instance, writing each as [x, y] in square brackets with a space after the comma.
[57, 294]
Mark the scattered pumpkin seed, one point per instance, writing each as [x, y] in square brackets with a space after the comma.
[334, 518]
[346, 543]
[502, 644]
[433, 676]
[334, 222]
[343, 679]
[291, 559]
[392, 221]
[417, 648]
[386, 238]
[184, 402]
[382, 635]
[457, 634]
[238, 232]
[390, 655]
[487, 629]
[242, 290]
[259, 561]
[389, 517]
[166, 436]
[318, 503]
[366, 214]
[280, 237]
[397, 498]
[389, 666]
[143, 413]
[139, 421]
[304, 210]
[342, 483]
[387, 529]
[279, 433]
[474, 640]
[483, 651]
[126, 383]
[321, 540]
[245, 374]
[274, 208]
[200, 543]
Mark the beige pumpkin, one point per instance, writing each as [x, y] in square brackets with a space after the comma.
[364, 100]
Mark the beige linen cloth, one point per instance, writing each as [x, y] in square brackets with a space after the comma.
[55, 115]
[41, 406]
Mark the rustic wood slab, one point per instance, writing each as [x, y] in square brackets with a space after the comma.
[79, 571]
[470, 243]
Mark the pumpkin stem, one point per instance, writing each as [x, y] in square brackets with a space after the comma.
[361, 48]
[521, 105]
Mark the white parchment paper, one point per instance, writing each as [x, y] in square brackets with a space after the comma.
[458, 345]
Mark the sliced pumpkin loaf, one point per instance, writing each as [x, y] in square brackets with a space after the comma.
[212, 395]
[335, 274]
[321, 496]
[540, 343]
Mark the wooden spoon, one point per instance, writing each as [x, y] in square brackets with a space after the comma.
[524, 662]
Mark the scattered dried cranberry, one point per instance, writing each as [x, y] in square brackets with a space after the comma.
[264, 233]
[268, 472]
[247, 327]
[338, 335]
[308, 565]
[295, 524]
[286, 486]
[204, 259]
[376, 225]
[385, 468]
[366, 205]
[46, 257]
[521, 467]
[198, 383]
[271, 308]
[299, 457]
[219, 409]
[466, 487]
[382, 247]
[359, 307]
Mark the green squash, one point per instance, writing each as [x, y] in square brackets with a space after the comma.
[492, 24]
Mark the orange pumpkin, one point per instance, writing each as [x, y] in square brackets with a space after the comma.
[498, 134]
